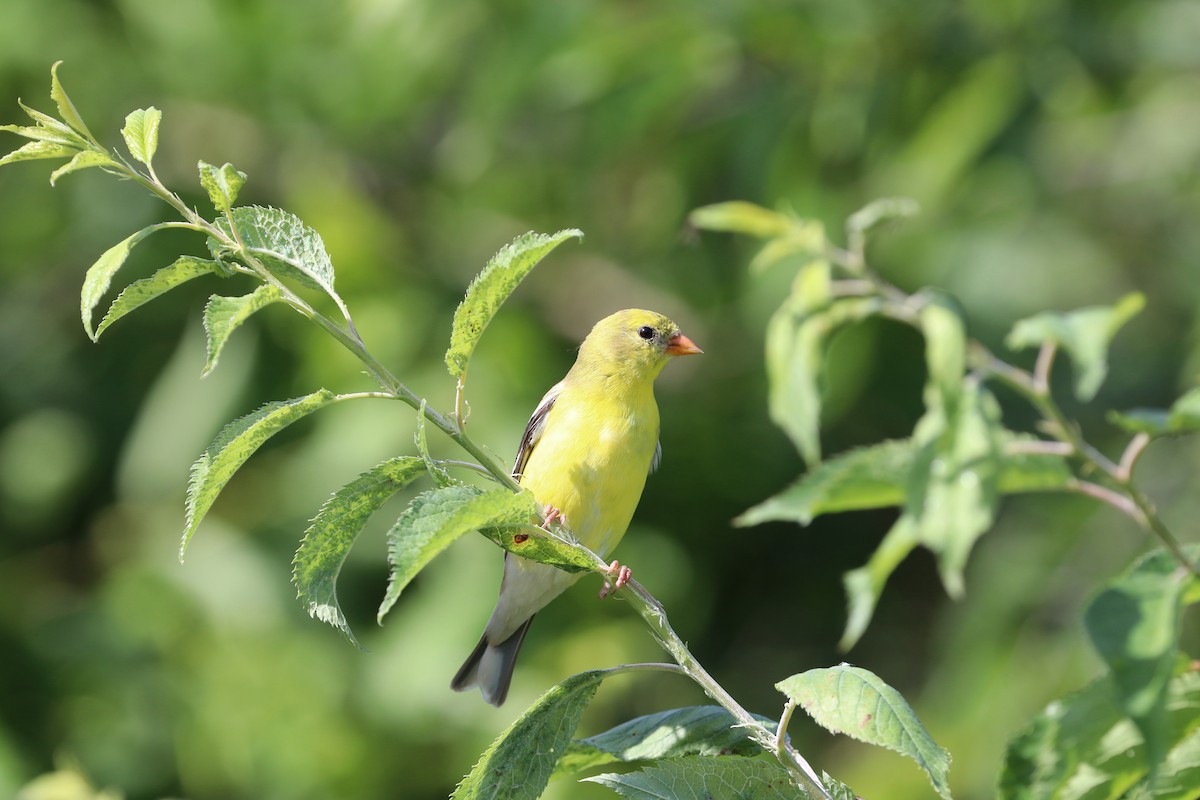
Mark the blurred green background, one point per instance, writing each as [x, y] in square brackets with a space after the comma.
[1052, 146]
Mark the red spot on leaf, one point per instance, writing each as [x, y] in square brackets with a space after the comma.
[520, 538]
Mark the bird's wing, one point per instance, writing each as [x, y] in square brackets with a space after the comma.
[654, 462]
[533, 431]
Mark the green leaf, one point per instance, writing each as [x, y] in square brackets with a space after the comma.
[224, 315]
[82, 160]
[53, 127]
[806, 238]
[1084, 747]
[1183, 417]
[283, 243]
[99, 275]
[738, 216]
[236, 442]
[519, 763]
[945, 352]
[329, 538]
[37, 149]
[223, 184]
[1085, 334]
[1135, 624]
[704, 778]
[695, 730]
[536, 544]
[140, 292]
[491, 287]
[436, 518]
[66, 108]
[855, 702]
[141, 133]
[864, 585]
[440, 475]
[876, 477]
[876, 214]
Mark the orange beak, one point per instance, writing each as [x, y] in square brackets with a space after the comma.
[680, 345]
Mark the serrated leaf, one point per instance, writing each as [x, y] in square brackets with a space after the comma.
[695, 730]
[141, 133]
[738, 216]
[99, 276]
[224, 315]
[329, 538]
[82, 160]
[140, 292]
[285, 245]
[491, 287]
[536, 544]
[703, 778]
[436, 518]
[40, 133]
[1084, 747]
[1134, 624]
[519, 763]
[66, 108]
[855, 702]
[223, 185]
[1084, 334]
[236, 442]
[38, 149]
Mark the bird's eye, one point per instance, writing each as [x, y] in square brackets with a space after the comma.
[646, 332]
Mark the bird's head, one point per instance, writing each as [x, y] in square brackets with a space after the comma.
[636, 342]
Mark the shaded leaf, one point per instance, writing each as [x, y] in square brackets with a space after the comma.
[329, 538]
[806, 238]
[695, 730]
[440, 475]
[1134, 624]
[491, 287]
[1085, 335]
[66, 108]
[82, 160]
[855, 702]
[140, 292]
[99, 276]
[224, 315]
[1182, 417]
[1084, 747]
[877, 213]
[236, 442]
[141, 133]
[519, 763]
[864, 585]
[223, 185]
[436, 518]
[704, 778]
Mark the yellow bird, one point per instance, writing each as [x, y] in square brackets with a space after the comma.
[585, 455]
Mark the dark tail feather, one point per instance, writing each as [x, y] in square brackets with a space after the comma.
[490, 667]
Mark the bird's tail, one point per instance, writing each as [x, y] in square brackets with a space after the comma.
[490, 666]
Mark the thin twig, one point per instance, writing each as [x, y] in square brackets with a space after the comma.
[1133, 451]
[1115, 499]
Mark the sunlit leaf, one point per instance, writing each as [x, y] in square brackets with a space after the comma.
[703, 778]
[223, 185]
[855, 702]
[945, 352]
[695, 730]
[329, 538]
[66, 108]
[236, 442]
[140, 292]
[532, 542]
[141, 133]
[38, 149]
[436, 518]
[224, 315]
[1134, 624]
[1084, 334]
[491, 287]
[1084, 747]
[99, 275]
[283, 243]
[82, 160]
[518, 765]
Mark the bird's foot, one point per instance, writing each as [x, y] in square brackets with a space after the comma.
[551, 515]
[618, 576]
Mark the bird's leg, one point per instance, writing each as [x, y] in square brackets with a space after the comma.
[623, 574]
[551, 515]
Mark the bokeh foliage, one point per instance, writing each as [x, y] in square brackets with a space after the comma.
[1049, 145]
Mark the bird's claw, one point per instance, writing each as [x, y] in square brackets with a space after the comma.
[551, 515]
[618, 576]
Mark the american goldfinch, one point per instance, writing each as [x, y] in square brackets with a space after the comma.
[585, 455]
